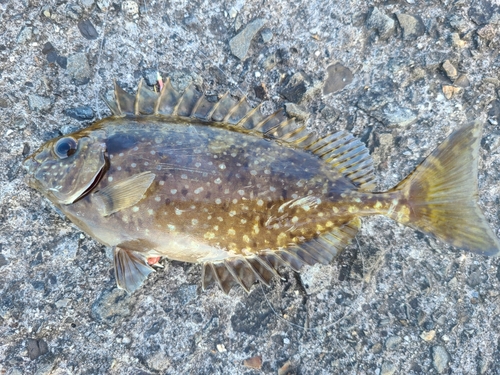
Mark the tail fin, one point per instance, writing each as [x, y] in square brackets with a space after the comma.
[440, 196]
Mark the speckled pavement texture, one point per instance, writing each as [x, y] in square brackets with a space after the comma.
[400, 75]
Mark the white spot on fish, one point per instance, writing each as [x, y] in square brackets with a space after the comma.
[157, 199]
[178, 212]
[136, 148]
[218, 201]
[232, 213]
[198, 191]
[120, 154]
[260, 202]
[153, 152]
[253, 172]
[267, 171]
[133, 165]
[110, 178]
[272, 188]
[218, 181]
[184, 177]
[118, 168]
[222, 166]
[171, 227]
[135, 209]
[241, 192]
[197, 165]
[162, 183]
[150, 211]
[173, 191]
[194, 222]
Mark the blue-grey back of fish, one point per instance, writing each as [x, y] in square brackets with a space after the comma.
[177, 176]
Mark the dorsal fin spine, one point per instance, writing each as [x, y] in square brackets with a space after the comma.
[216, 105]
[117, 101]
[249, 114]
[231, 111]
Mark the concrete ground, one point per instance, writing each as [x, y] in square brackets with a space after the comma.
[401, 76]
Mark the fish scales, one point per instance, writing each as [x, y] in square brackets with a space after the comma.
[242, 194]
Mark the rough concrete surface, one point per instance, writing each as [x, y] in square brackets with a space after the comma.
[395, 302]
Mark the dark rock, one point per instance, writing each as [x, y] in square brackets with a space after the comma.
[62, 61]
[382, 23]
[87, 29]
[260, 91]
[4, 103]
[338, 77]
[240, 43]
[295, 88]
[36, 348]
[80, 113]
[52, 57]
[412, 26]
[3, 261]
[47, 47]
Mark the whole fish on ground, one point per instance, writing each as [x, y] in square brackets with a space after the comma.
[176, 175]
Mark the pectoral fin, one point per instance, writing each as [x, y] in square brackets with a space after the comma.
[131, 269]
[123, 194]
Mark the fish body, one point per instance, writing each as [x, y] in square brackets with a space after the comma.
[175, 176]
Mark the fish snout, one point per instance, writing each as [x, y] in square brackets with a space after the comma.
[30, 165]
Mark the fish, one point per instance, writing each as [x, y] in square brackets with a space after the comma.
[178, 176]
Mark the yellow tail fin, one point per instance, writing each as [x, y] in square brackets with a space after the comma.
[440, 196]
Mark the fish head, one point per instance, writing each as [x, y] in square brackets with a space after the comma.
[66, 168]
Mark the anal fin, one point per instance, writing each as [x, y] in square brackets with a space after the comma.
[245, 271]
[131, 269]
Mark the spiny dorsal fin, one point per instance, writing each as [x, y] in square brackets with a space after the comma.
[341, 150]
[245, 271]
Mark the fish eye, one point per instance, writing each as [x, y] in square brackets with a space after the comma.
[65, 147]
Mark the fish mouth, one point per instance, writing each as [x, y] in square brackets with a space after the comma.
[30, 166]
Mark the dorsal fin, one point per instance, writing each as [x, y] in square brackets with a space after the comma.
[341, 150]
[245, 271]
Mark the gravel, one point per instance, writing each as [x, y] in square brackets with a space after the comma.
[395, 301]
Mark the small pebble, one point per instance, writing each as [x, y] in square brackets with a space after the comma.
[381, 22]
[266, 34]
[339, 77]
[87, 30]
[221, 348]
[440, 358]
[388, 368]
[412, 26]
[451, 91]
[450, 70]
[253, 362]
[240, 43]
[392, 342]
[428, 335]
[80, 113]
[38, 103]
[130, 8]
